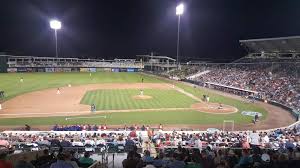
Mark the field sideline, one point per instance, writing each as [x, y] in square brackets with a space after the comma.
[39, 81]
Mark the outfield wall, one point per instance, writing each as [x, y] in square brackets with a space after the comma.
[77, 69]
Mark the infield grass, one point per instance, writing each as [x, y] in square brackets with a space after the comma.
[118, 99]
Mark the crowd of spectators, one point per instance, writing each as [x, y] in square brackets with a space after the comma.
[275, 82]
[279, 148]
[282, 87]
[60, 159]
[172, 148]
[215, 158]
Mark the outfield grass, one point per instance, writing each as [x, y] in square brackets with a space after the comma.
[118, 99]
[10, 82]
[153, 117]
[37, 81]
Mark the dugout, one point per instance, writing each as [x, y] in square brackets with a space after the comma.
[3, 63]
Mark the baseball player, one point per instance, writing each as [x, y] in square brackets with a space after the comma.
[220, 106]
[21, 79]
[141, 92]
[58, 91]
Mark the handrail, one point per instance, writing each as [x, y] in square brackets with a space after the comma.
[95, 165]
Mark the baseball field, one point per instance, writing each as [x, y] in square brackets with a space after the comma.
[122, 98]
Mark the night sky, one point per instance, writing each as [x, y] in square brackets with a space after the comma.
[124, 28]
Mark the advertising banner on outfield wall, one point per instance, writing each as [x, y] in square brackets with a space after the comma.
[84, 69]
[107, 69]
[58, 70]
[130, 70]
[67, 69]
[123, 69]
[29, 70]
[75, 69]
[92, 69]
[41, 69]
[100, 69]
[115, 70]
[49, 69]
[12, 70]
[22, 69]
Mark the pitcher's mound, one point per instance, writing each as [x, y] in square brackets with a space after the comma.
[141, 97]
[214, 108]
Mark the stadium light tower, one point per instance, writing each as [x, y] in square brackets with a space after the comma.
[179, 12]
[56, 25]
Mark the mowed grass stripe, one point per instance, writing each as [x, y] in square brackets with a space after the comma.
[10, 82]
[118, 99]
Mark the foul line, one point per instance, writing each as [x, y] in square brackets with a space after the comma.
[187, 94]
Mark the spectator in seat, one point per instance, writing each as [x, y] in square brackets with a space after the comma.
[131, 161]
[4, 142]
[22, 163]
[177, 162]
[245, 160]
[159, 161]
[231, 158]
[45, 158]
[86, 161]
[61, 163]
[44, 142]
[65, 143]
[74, 157]
[4, 163]
[205, 160]
[136, 154]
[147, 158]
[68, 159]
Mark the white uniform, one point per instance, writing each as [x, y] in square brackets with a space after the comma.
[58, 91]
[142, 93]
[0, 106]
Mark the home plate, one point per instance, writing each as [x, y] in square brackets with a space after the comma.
[74, 118]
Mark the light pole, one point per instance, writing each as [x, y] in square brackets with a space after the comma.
[56, 25]
[179, 12]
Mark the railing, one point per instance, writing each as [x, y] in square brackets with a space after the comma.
[97, 165]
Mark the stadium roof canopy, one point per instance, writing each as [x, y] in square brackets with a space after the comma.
[273, 45]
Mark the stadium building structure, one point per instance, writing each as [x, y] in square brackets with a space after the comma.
[51, 64]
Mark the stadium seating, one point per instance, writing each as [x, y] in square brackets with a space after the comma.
[278, 82]
[168, 148]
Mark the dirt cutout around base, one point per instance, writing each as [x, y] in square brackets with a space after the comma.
[214, 108]
[141, 97]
